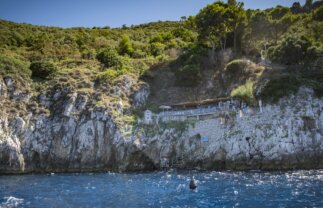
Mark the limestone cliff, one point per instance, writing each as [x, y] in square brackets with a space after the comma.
[64, 130]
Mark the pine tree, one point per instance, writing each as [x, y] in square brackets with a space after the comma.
[232, 2]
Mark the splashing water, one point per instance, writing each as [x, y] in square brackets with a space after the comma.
[11, 202]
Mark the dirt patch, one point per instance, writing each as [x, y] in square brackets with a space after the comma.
[164, 90]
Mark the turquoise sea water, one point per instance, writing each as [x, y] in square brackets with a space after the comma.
[164, 189]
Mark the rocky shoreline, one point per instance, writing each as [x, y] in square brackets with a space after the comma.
[79, 137]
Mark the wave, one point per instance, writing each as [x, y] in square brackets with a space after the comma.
[12, 202]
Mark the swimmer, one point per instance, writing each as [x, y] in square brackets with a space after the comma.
[193, 184]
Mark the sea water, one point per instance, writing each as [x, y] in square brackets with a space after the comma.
[164, 189]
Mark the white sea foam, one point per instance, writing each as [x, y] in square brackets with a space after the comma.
[180, 187]
[12, 202]
[295, 193]
[180, 177]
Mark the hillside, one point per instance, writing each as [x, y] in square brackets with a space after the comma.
[76, 97]
[292, 40]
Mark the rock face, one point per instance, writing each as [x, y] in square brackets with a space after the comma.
[288, 135]
[284, 136]
[75, 136]
[79, 136]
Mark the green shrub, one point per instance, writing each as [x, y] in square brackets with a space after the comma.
[245, 92]
[188, 75]
[139, 54]
[107, 76]
[13, 66]
[109, 58]
[147, 75]
[88, 54]
[125, 46]
[294, 50]
[318, 88]
[185, 34]
[318, 14]
[157, 48]
[279, 87]
[313, 78]
[192, 55]
[187, 67]
[42, 69]
[110, 75]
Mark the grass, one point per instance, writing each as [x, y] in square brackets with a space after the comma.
[108, 76]
[245, 92]
[85, 90]
[133, 67]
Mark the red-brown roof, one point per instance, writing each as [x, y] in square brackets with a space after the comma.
[203, 102]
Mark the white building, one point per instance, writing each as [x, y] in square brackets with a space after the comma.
[260, 105]
[148, 117]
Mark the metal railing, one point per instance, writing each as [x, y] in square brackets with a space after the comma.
[192, 112]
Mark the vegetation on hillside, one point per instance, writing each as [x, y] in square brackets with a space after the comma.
[291, 37]
[48, 54]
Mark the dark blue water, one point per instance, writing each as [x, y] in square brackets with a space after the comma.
[215, 189]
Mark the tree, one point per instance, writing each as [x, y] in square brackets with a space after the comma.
[183, 18]
[296, 8]
[216, 21]
[190, 23]
[317, 4]
[212, 26]
[258, 29]
[109, 57]
[280, 18]
[240, 16]
[187, 68]
[278, 12]
[308, 5]
[295, 50]
[183, 33]
[232, 2]
[125, 46]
